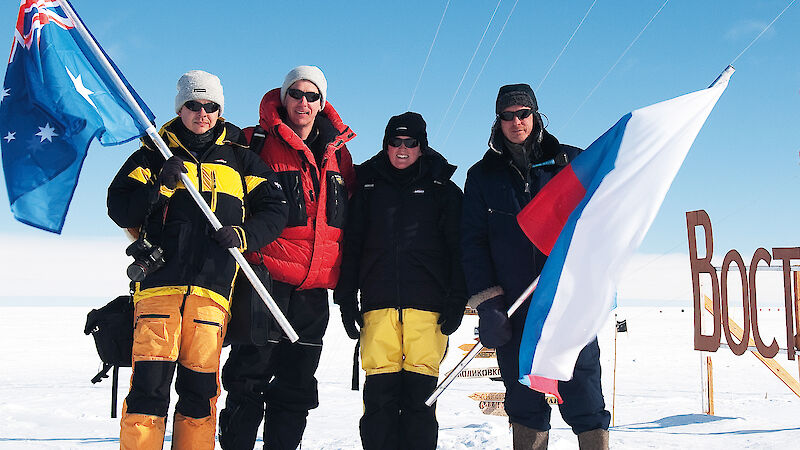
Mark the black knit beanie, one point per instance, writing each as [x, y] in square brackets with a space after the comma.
[409, 124]
[515, 94]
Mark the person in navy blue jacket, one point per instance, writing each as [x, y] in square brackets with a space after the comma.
[500, 262]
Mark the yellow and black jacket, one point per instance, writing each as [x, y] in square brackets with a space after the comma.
[241, 190]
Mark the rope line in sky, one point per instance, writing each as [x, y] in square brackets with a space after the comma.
[477, 47]
[479, 73]
[413, 94]
[763, 31]
[612, 67]
[565, 46]
[743, 204]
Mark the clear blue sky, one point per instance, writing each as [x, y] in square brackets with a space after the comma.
[743, 168]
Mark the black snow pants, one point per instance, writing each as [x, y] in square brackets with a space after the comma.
[275, 382]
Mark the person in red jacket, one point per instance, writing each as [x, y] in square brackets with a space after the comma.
[302, 138]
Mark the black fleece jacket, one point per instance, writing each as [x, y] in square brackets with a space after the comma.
[402, 237]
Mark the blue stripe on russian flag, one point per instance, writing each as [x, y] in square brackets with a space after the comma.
[586, 171]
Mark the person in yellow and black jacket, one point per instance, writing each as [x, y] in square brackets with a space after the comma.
[182, 308]
[402, 253]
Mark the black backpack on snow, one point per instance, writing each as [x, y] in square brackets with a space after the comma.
[112, 329]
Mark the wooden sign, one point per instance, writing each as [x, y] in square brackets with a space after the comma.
[492, 408]
[482, 372]
[491, 403]
[771, 364]
[485, 353]
[488, 396]
[719, 293]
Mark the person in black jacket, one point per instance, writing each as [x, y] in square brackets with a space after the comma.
[402, 253]
[500, 262]
[182, 309]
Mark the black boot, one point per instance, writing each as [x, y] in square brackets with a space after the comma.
[528, 438]
[593, 440]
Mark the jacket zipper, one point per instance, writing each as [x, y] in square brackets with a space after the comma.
[213, 191]
[497, 211]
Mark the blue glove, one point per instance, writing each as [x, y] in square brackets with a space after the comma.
[494, 328]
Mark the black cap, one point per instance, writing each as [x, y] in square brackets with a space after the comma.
[409, 124]
[515, 94]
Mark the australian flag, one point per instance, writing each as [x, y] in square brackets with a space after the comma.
[56, 97]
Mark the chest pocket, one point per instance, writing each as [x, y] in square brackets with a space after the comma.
[293, 189]
[336, 203]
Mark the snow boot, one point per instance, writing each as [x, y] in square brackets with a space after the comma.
[528, 438]
[593, 440]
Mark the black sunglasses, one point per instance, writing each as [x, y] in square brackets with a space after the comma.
[520, 114]
[298, 94]
[408, 142]
[195, 106]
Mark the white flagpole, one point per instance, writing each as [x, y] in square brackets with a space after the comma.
[478, 347]
[151, 131]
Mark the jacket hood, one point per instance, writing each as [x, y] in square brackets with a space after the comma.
[331, 126]
[431, 162]
[550, 147]
[224, 133]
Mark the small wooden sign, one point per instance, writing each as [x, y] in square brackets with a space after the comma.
[482, 372]
[492, 408]
[488, 396]
[486, 353]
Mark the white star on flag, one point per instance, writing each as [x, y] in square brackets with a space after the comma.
[10, 136]
[46, 132]
[4, 94]
[81, 88]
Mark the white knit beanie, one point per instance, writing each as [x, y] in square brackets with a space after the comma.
[199, 85]
[310, 73]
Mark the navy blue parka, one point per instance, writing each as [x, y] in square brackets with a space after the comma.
[498, 259]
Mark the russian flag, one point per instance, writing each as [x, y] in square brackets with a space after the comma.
[590, 218]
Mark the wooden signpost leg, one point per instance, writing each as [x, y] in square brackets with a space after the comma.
[710, 381]
[614, 382]
[771, 364]
[796, 318]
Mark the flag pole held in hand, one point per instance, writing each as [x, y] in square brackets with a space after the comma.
[151, 131]
[478, 347]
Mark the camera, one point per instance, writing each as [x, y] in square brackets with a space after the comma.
[146, 258]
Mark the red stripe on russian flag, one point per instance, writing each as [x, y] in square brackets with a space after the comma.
[546, 386]
[544, 217]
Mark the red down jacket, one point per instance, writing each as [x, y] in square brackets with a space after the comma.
[308, 253]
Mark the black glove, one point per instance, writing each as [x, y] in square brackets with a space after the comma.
[171, 172]
[450, 318]
[350, 317]
[494, 328]
[227, 237]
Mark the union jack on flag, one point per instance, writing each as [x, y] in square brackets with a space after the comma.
[32, 17]
[56, 98]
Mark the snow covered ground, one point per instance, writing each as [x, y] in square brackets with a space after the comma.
[47, 401]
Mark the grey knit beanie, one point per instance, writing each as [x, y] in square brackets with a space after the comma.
[515, 94]
[199, 85]
[310, 73]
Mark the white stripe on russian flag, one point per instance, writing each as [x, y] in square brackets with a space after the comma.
[626, 174]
